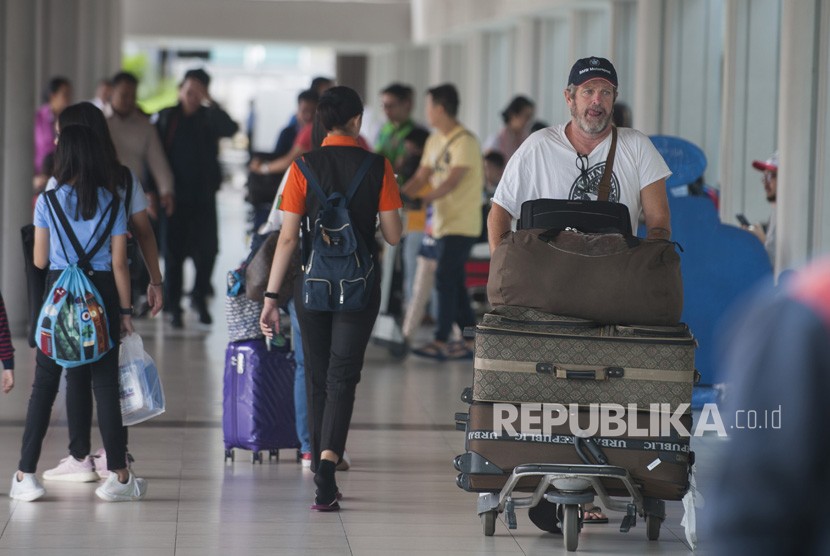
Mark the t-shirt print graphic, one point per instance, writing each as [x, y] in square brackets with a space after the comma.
[586, 188]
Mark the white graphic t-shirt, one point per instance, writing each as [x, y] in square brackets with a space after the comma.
[546, 166]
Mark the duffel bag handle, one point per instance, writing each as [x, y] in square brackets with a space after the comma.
[589, 373]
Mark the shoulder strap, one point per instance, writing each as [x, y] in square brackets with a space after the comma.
[311, 179]
[452, 140]
[358, 177]
[83, 256]
[605, 183]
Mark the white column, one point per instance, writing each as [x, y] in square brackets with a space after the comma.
[526, 79]
[647, 84]
[731, 151]
[17, 107]
[798, 103]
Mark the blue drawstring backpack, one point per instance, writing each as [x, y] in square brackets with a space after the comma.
[339, 273]
[73, 328]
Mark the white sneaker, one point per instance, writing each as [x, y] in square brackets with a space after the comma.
[73, 471]
[26, 490]
[114, 491]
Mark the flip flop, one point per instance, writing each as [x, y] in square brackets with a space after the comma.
[432, 351]
[593, 510]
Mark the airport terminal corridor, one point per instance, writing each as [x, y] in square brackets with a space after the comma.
[400, 495]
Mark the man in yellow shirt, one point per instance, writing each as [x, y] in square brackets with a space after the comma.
[451, 178]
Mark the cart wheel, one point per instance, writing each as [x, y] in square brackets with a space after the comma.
[570, 527]
[653, 524]
[274, 454]
[488, 523]
[256, 457]
[228, 455]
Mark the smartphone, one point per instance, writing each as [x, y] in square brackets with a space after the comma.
[742, 219]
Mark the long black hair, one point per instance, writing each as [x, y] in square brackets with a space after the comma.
[88, 115]
[78, 163]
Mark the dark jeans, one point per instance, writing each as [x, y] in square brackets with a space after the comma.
[334, 345]
[453, 301]
[190, 232]
[101, 377]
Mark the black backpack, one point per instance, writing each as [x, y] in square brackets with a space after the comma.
[339, 271]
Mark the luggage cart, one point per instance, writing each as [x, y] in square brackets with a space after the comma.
[569, 486]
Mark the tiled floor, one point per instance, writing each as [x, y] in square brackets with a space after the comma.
[401, 496]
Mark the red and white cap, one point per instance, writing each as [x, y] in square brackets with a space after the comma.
[770, 163]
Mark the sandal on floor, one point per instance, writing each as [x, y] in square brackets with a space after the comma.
[459, 352]
[432, 350]
[595, 511]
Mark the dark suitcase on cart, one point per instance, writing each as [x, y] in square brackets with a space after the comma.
[524, 355]
[659, 464]
[590, 217]
[258, 405]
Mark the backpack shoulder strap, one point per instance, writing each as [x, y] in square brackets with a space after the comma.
[311, 180]
[114, 206]
[83, 256]
[605, 183]
[54, 204]
[359, 176]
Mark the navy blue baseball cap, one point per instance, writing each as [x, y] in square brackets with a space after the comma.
[594, 67]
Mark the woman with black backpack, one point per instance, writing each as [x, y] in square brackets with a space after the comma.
[92, 216]
[337, 191]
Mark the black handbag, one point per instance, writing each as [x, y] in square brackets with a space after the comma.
[590, 217]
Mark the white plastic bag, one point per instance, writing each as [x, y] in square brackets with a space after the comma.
[692, 500]
[142, 397]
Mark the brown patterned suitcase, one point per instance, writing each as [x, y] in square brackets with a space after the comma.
[524, 355]
[658, 464]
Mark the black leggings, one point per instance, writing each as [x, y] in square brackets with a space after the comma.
[101, 376]
[334, 345]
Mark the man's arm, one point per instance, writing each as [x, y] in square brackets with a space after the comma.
[220, 122]
[417, 182]
[498, 223]
[457, 173]
[656, 210]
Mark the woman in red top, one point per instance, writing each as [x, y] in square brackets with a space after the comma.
[334, 343]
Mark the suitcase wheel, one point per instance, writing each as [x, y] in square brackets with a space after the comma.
[653, 524]
[274, 454]
[256, 456]
[228, 455]
[488, 522]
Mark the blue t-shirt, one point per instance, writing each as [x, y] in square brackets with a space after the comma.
[83, 229]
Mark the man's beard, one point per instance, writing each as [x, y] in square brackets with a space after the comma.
[582, 121]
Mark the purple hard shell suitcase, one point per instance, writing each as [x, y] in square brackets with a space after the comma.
[258, 406]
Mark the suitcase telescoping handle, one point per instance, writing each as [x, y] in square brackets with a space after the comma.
[582, 372]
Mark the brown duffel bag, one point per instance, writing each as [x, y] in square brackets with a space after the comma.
[606, 278]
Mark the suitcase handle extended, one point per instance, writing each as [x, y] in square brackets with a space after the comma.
[589, 373]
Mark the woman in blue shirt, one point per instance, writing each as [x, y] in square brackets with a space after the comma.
[85, 193]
